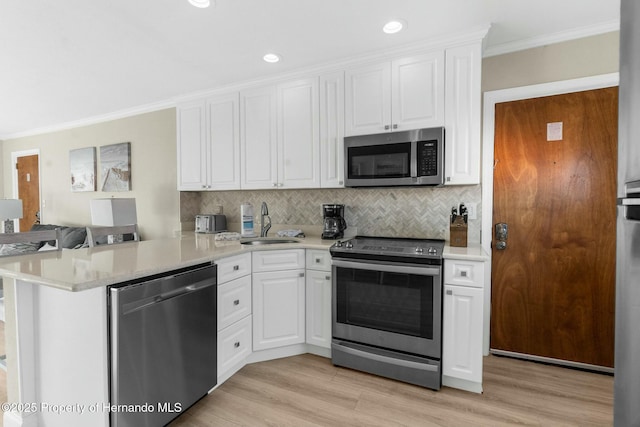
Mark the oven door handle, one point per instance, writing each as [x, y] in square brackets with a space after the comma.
[395, 268]
[385, 359]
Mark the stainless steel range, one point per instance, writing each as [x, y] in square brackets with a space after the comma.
[387, 307]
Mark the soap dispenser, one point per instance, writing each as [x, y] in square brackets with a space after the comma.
[246, 214]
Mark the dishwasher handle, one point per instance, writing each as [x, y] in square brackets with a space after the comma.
[143, 303]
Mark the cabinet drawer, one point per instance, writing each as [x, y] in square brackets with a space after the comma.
[233, 267]
[234, 301]
[234, 344]
[318, 260]
[278, 260]
[464, 273]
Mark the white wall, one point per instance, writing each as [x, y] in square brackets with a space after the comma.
[153, 170]
[1, 174]
[589, 56]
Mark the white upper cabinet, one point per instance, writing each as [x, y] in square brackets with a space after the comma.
[368, 99]
[402, 94]
[259, 164]
[298, 134]
[332, 130]
[290, 134]
[281, 136]
[462, 115]
[192, 146]
[209, 144]
[223, 126]
[417, 92]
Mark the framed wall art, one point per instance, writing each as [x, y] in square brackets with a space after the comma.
[115, 167]
[82, 165]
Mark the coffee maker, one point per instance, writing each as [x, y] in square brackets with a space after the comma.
[333, 221]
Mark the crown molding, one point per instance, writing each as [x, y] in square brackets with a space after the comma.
[120, 114]
[562, 36]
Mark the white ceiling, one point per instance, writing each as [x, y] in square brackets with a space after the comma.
[69, 61]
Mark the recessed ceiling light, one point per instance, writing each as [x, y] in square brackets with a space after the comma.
[271, 58]
[200, 3]
[394, 26]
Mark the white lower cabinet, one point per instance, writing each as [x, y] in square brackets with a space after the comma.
[234, 314]
[318, 294]
[462, 352]
[234, 346]
[462, 325]
[278, 299]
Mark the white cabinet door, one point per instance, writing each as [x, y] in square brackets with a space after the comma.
[368, 99]
[224, 137]
[462, 333]
[298, 134]
[332, 130]
[192, 147]
[318, 294]
[417, 92]
[278, 309]
[234, 346]
[462, 114]
[403, 94]
[259, 155]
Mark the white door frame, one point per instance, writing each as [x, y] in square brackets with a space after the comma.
[14, 176]
[506, 95]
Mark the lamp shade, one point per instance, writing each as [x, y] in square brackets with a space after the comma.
[10, 209]
[113, 212]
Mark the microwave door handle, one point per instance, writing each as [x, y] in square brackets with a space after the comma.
[413, 163]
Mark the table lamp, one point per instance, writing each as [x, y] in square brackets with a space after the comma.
[10, 209]
[113, 211]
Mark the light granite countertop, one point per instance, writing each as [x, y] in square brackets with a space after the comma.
[81, 269]
[473, 252]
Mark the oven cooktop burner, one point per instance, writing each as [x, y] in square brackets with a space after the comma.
[423, 251]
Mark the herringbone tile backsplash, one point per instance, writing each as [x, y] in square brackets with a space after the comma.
[394, 212]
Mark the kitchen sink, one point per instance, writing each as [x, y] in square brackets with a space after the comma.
[267, 241]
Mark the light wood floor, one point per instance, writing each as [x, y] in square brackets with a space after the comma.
[308, 390]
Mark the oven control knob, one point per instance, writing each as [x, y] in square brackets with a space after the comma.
[348, 245]
[432, 251]
[338, 244]
[419, 250]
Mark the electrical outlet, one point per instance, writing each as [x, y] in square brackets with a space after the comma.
[472, 210]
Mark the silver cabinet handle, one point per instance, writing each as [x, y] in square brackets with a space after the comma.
[386, 127]
[236, 267]
[318, 260]
[236, 302]
[301, 275]
[327, 277]
[449, 292]
[236, 344]
[395, 126]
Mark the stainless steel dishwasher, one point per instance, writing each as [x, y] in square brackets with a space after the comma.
[162, 344]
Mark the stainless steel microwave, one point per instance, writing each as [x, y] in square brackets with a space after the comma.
[406, 158]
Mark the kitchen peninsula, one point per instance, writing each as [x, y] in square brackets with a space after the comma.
[59, 352]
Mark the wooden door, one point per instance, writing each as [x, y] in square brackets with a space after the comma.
[28, 190]
[553, 287]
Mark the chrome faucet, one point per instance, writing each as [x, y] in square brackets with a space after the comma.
[264, 212]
